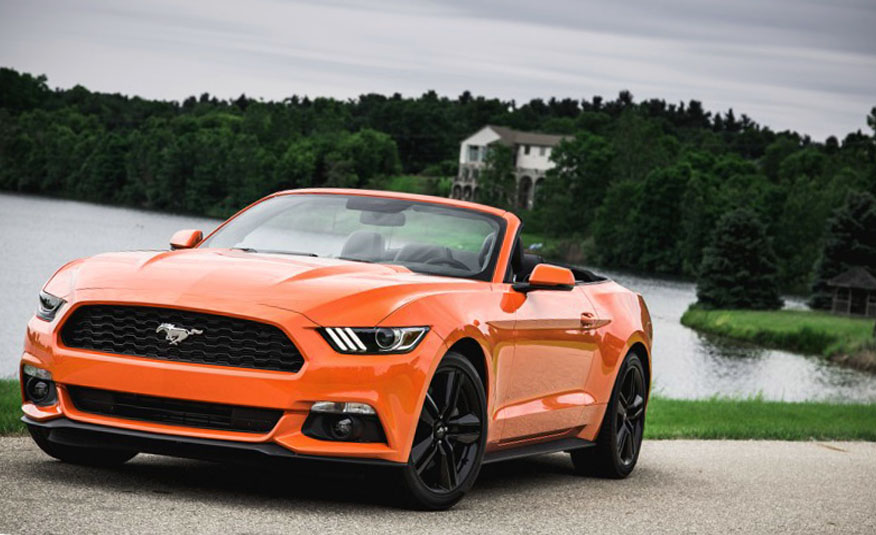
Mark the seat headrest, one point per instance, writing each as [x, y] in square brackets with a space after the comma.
[364, 245]
[418, 253]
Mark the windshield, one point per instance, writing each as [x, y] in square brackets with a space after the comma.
[424, 237]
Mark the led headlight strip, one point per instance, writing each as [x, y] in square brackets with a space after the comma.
[345, 339]
[373, 340]
[48, 306]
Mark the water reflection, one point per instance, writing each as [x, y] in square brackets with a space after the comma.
[38, 235]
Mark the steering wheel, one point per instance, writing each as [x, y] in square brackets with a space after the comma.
[447, 260]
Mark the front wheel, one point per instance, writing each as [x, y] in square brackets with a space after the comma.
[620, 438]
[79, 455]
[451, 434]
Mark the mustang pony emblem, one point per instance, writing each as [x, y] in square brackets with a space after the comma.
[174, 334]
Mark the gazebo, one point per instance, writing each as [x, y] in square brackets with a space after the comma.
[854, 292]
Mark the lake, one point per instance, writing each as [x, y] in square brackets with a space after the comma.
[38, 235]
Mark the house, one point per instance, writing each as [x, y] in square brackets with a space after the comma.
[532, 153]
[854, 292]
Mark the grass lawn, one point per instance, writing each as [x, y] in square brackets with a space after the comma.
[10, 408]
[670, 418]
[758, 419]
[795, 330]
[529, 238]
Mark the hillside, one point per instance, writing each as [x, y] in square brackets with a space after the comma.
[639, 187]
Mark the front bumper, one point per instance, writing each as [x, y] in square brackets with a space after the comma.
[392, 384]
[72, 433]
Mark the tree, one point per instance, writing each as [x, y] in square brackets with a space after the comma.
[639, 146]
[21, 91]
[496, 185]
[658, 219]
[373, 154]
[297, 166]
[739, 267]
[103, 174]
[574, 188]
[614, 224]
[700, 209]
[850, 241]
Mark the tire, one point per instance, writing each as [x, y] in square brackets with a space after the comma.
[451, 434]
[620, 437]
[101, 457]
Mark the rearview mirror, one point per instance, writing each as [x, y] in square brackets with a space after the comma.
[382, 219]
[547, 277]
[185, 239]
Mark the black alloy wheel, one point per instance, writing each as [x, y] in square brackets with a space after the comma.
[630, 415]
[449, 441]
[620, 437]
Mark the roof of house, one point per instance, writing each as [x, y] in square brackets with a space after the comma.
[509, 136]
[856, 277]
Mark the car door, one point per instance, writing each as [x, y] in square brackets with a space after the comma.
[554, 346]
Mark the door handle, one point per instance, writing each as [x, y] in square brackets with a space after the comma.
[590, 321]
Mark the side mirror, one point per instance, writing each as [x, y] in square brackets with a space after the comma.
[185, 239]
[547, 277]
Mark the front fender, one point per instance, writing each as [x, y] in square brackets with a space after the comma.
[473, 317]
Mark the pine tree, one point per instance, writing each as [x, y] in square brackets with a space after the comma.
[739, 267]
[850, 242]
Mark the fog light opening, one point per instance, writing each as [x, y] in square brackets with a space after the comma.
[40, 391]
[343, 422]
[343, 429]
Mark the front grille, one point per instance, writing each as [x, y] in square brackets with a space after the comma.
[173, 411]
[217, 340]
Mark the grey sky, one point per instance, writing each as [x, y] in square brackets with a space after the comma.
[808, 65]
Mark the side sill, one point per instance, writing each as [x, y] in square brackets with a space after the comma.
[554, 446]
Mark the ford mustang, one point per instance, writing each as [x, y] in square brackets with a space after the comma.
[405, 331]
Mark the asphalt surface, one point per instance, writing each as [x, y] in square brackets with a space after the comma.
[678, 487]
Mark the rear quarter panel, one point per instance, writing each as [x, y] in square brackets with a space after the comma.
[630, 324]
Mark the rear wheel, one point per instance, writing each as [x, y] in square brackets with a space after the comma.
[620, 438]
[77, 454]
[451, 433]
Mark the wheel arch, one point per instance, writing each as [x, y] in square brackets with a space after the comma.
[474, 353]
[639, 349]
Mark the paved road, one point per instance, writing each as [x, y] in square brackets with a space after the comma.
[679, 487]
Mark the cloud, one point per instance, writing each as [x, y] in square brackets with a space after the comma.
[799, 64]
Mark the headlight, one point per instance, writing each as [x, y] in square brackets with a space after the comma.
[373, 341]
[49, 306]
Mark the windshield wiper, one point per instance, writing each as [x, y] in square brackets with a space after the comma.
[271, 251]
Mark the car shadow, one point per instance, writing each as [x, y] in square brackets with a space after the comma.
[288, 487]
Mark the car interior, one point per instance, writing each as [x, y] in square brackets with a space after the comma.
[370, 246]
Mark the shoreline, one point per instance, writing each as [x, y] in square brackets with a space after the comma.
[844, 340]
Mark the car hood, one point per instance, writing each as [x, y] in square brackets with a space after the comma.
[327, 291]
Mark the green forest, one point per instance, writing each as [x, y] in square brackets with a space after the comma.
[638, 185]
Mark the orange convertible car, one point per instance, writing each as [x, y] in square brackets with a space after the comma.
[399, 330]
